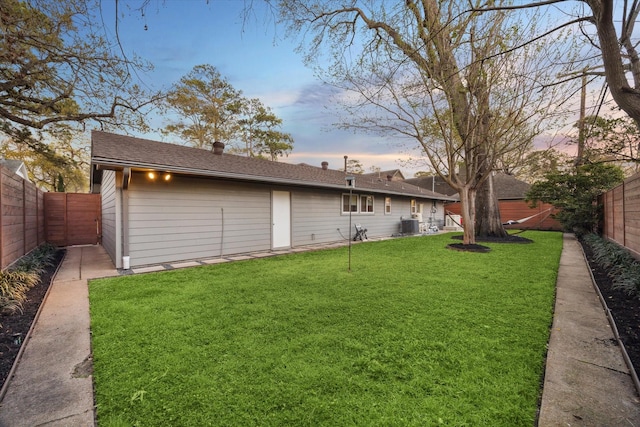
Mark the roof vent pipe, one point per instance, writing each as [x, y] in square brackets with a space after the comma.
[218, 147]
[325, 165]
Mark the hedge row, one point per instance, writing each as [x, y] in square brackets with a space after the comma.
[622, 267]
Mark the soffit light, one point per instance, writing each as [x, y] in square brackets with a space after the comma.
[155, 175]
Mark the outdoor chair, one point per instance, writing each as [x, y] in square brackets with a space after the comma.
[361, 233]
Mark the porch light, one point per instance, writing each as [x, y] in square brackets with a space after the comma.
[166, 176]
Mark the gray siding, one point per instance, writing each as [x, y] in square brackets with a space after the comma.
[108, 195]
[198, 218]
[191, 218]
[317, 217]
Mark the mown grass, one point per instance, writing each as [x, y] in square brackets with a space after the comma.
[415, 334]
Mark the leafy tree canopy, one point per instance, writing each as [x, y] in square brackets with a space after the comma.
[58, 70]
[438, 73]
[613, 140]
[57, 66]
[64, 159]
[207, 108]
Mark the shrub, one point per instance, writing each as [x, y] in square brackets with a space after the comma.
[575, 194]
[622, 267]
[16, 281]
[37, 260]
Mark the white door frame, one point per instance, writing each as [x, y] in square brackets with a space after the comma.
[280, 219]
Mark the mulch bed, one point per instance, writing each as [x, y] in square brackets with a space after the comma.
[624, 308]
[16, 326]
[512, 238]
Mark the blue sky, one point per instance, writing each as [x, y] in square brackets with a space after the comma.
[257, 59]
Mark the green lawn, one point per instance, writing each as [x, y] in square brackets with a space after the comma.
[415, 334]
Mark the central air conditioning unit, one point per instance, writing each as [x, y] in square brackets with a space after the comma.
[410, 226]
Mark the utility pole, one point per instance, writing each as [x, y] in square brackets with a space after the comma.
[581, 123]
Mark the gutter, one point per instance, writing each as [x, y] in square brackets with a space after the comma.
[256, 178]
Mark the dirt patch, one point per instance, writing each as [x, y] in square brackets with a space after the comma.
[468, 248]
[483, 249]
[16, 326]
[511, 238]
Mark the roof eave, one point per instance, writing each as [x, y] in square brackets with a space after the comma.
[117, 164]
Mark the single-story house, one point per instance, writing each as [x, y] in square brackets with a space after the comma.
[166, 203]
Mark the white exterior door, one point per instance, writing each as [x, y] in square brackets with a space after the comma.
[281, 217]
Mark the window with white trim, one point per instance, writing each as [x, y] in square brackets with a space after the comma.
[346, 204]
[366, 204]
[414, 206]
[387, 205]
[359, 203]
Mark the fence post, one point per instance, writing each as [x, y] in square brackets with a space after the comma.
[624, 215]
[24, 217]
[1, 216]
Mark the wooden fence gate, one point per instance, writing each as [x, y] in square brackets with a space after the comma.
[72, 218]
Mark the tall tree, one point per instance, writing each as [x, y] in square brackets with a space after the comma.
[259, 131]
[207, 106]
[612, 141]
[64, 158]
[613, 39]
[431, 71]
[538, 163]
[58, 66]
[355, 166]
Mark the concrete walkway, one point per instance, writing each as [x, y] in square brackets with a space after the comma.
[586, 381]
[52, 383]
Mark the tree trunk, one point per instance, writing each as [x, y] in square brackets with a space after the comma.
[488, 220]
[467, 211]
[626, 97]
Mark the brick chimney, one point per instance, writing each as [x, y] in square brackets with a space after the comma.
[218, 147]
[325, 165]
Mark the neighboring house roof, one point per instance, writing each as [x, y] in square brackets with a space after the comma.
[16, 166]
[507, 187]
[392, 175]
[439, 186]
[112, 151]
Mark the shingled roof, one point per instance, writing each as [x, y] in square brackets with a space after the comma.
[507, 187]
[112, 151]
[393, 175]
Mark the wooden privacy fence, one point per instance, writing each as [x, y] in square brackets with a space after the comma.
[30, 217]
[21, 217]
[72, 218]
[538, 218]
[621, 222]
